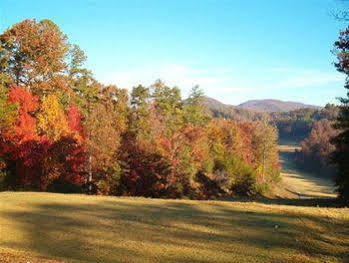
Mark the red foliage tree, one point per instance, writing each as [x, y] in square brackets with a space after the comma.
[317, 147]
[36, 160]
[74, 120]
[146, 173]
[25, 128]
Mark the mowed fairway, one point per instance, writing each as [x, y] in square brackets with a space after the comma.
[299, 184]
[46, 227]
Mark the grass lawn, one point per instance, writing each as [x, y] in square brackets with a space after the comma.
[298, 181]
[46, 227]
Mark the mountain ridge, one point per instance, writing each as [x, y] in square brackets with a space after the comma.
[260, 106]
[273, 105]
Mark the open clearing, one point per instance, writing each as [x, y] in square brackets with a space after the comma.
[298, 184]
[46, 227]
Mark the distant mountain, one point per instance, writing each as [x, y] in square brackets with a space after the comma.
[226, 111]
[215, 104]
[274, 105]
[251, 110]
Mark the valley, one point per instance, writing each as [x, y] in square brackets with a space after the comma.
[296, 183]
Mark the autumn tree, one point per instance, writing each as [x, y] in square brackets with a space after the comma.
[25, 127]
[158, 128]
[40, 152]
[317, 147]
[105, 124]
[265, 143]
[8, 111]
[19, 144]
[35, 54]
[8, 116]
[233, 156]
[52, 120]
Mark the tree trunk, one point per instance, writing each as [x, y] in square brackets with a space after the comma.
[90, 174]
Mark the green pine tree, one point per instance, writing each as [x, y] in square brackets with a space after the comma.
[341, 154]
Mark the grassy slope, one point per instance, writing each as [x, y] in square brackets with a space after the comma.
[297, 182]
[37, 227]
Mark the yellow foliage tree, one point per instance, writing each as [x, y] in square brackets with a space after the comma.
[52, 120]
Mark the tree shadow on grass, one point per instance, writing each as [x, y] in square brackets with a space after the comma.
[126, 230]
[304, 201]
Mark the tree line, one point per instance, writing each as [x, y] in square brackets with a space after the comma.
[297, 125]
[294, 125]
[317, 148]
[61, 130]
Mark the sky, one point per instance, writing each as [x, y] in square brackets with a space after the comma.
[235, 50]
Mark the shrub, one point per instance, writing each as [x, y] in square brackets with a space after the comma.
[245, 182]
[63, 186]
[236, 175]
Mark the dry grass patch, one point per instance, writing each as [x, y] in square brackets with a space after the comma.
[78, 228]
[297, 182]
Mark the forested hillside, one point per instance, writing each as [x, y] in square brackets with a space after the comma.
[312, 128]
[218, 109]
[61, 130]
[317, 149]
[297, 125]
[293, 125]
[274, 105]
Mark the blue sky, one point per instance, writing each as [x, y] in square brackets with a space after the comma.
[235, 50]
